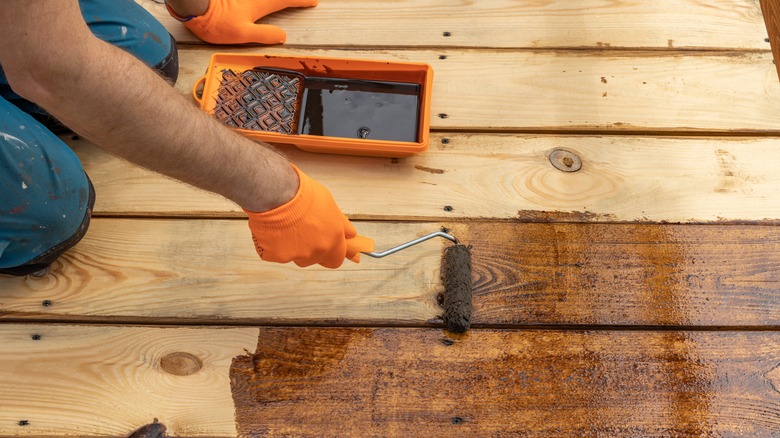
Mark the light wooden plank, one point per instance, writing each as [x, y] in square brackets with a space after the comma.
[577, 90]
[108, 381]
[771, 12]
[663, 24]
[203, 270]
[623, 178]
[391, 382]
[206, 271]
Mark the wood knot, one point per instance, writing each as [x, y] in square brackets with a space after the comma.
[565, 160]
[180, 364]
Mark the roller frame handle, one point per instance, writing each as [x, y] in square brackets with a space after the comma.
[379, 255]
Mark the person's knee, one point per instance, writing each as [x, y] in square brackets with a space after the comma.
[169, 66]
[57, 215]
[47, 195]
[37, 232]
[127, 25]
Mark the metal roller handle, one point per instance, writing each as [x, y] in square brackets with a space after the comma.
[379, 255]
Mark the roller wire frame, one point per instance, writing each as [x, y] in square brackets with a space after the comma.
[456, 276]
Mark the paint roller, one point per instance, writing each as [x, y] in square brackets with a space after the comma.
[456, 276]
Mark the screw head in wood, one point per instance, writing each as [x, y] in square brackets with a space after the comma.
[565, 160]
[363, 132]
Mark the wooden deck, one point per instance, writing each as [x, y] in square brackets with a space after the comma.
[638, 296]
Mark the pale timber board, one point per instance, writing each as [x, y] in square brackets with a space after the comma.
[663, 24]
[623, 179]
[506, 90]
[537, 274]
[107, 381]
[206, 270]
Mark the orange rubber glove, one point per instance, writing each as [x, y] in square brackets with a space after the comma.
[233, 21]
[308, 229]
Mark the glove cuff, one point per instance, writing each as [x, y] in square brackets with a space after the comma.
[293, 212]
[177, 16]
[207, 26]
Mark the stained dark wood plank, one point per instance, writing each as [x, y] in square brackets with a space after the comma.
[624, 274]
[423, 382]
[771, 11]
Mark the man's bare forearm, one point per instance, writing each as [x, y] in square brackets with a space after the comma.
[120, 104]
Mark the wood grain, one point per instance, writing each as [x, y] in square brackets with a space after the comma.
[524, 274]
[594, 315]
[663, 24]
[488, 176]
[771, 12]
[634, 275]
[107, 381]
[416, 382]
[194, 271]
[505, 90]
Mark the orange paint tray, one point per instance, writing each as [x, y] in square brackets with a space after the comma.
[328, 105]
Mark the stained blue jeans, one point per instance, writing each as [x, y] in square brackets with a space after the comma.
[46, 198]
